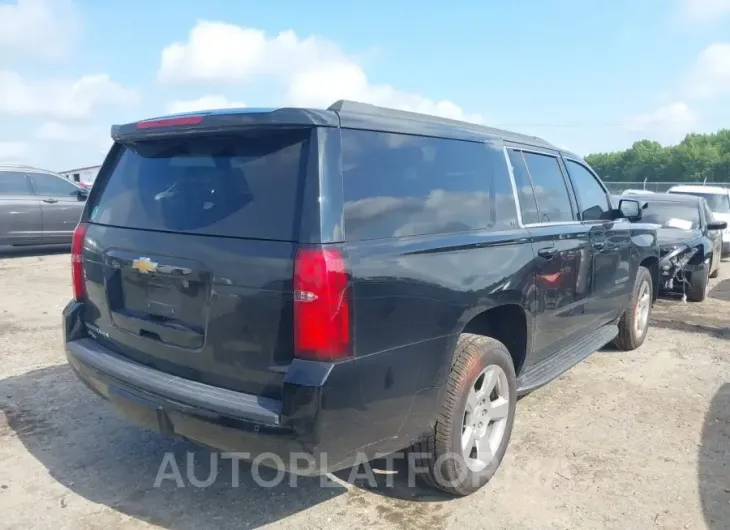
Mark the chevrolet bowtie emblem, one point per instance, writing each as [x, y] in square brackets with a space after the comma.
[144, 265]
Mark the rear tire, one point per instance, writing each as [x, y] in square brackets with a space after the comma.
[698, 286]
[474, 419]
[634, 324]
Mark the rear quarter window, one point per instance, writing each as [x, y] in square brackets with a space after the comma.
[14, 183]
[398, 185]
[236, 186]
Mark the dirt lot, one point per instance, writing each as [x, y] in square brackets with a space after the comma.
[624, 440]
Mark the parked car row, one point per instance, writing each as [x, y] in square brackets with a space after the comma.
[349, 282]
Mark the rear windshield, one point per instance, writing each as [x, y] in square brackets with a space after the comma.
[242, 186]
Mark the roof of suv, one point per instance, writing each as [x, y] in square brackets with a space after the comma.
[714, 190]
[347, 114]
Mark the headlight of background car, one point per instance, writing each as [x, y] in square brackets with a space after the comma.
[678, 257]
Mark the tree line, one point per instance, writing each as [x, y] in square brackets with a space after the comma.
[697, 158]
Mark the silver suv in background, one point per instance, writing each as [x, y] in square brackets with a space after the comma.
[38, 207]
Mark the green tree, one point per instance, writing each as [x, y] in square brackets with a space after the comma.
[694, 159]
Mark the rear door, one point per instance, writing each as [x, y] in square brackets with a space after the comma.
[562, 246]
[189, 255]
[61, 206]
[20, 210]
[611, 243]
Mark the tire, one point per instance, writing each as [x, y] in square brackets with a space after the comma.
[697, 291]
[439, 458]
[631, 334]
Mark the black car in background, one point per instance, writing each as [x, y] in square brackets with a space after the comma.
[690, 241]
[347, 283]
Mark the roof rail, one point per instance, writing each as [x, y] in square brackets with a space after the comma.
[346, 105]
[356, 107]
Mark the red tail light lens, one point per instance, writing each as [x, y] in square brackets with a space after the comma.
[321, 305]
[170, 122]
[77, 264]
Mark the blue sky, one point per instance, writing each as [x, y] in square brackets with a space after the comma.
[586, 75]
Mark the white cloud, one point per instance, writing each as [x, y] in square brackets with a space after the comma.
[313, 71]
[14, 152]
[704, 10]
[62, 98]
[208, 102]
[64, 133]
[39, 28]
[667, 124]
[709, 76]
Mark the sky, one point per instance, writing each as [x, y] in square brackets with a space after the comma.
[586, 75]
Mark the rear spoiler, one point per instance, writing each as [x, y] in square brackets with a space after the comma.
[222, 121]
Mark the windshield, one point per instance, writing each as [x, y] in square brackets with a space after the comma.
[718, 203]
[223, 186]
[672, 215]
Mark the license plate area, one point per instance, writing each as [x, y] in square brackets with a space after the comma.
[168, 304]
[160, 297]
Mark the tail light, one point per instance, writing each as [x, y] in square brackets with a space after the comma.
[321, 305]
[170, 122]
[77, 264]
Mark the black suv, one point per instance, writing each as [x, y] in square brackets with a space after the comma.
[347, 283]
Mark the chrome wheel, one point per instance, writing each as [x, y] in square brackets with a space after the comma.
[643, 305]
[485, 418]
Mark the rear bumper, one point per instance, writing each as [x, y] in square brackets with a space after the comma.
[330, 415]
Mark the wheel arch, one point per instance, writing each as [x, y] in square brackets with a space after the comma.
[508, 323]
[652, 264]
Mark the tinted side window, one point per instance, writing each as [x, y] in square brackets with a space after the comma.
[14, 183]
[551, 193]
[591, 196]
[526, 195]
[52, 185]
[400, 185]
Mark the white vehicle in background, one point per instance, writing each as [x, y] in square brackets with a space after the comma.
[718, 199]
[635, 192]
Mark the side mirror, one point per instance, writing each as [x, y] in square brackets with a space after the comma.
[630, 209]
[717, 225]
[82, 194]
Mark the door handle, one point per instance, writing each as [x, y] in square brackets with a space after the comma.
[50, 201]
[547, 252]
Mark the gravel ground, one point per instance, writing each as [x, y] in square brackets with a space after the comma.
[624, 440]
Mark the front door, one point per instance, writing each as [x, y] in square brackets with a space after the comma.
[610, 242]
[61, 206]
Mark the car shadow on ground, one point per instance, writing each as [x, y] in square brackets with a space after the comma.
[30, 251]
[721, 291]
[714, 462]
[105, 459]
[695, 317]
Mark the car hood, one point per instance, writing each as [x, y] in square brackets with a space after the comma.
[670, 237]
